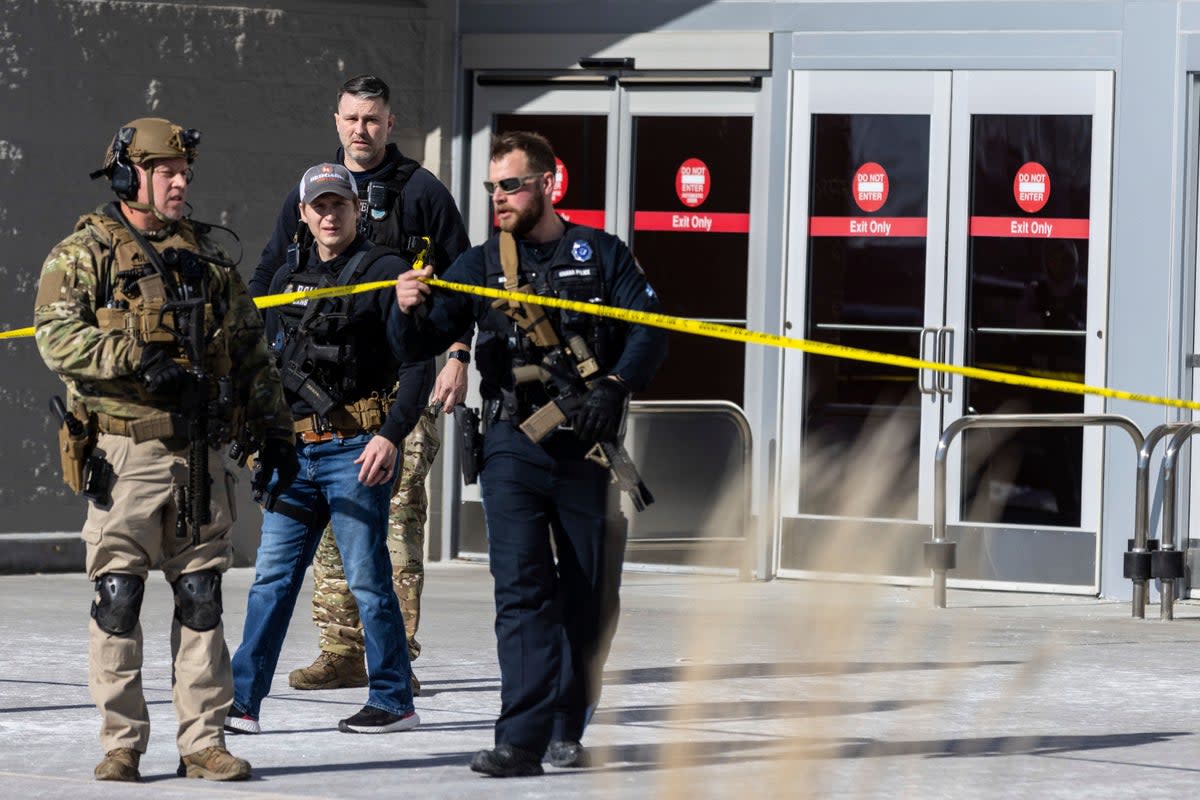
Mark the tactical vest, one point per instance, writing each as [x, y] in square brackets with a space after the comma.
[131, 294]
[573, 272]
[381, 208]
[314, 347]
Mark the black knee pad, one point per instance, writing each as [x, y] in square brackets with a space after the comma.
[198, 599]
[120, 602]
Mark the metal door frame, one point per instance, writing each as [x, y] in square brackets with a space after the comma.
[1035, 92]
[863, 92]
[660, 95]
[1024, 92]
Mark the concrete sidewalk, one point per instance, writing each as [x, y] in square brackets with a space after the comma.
[714, 689]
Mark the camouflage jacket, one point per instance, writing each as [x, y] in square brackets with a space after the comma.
[98, 362]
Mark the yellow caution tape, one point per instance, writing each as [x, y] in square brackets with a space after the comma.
[714, 330]
[16, 333]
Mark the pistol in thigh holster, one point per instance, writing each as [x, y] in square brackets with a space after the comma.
[470, 442]
[84, 470]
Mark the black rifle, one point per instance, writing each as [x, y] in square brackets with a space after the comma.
[300, 368]
[566, 372]
[612, 456]
[204, 415]
[567, 391]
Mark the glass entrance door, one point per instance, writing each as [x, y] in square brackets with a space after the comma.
[687, 213]
[668, 169]
[953, 217]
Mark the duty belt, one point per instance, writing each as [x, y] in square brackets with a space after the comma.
[352, 419]
[511, 407]
[315, 429]
[161, 425]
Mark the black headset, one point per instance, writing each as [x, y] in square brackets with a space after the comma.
[122, 175]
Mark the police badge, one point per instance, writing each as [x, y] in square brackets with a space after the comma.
[581, 250]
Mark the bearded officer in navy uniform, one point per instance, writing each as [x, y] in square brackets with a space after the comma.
[555, 607]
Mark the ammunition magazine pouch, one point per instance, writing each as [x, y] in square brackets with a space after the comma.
[365, 415]
[543, 422]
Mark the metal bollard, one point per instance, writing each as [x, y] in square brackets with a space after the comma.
[1168, 563]
[940, 553]
[1138, 566]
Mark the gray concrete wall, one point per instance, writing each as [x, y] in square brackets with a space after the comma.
[257, 79]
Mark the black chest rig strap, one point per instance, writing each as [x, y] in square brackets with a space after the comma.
[381, 210]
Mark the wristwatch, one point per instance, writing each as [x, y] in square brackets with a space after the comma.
[459, 355]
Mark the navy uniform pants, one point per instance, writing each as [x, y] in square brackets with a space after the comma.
[556, 606]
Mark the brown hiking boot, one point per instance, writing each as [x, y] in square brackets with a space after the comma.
[120, 764]
[215, 764]
[330, 671]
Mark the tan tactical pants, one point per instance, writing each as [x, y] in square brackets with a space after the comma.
[334, 611]
[135, 533]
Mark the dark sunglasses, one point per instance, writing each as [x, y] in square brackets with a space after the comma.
[509, 185]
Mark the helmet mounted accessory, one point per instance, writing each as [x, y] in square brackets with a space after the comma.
[138, 143]
[122, 176]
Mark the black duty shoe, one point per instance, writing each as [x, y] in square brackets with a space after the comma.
[568, 754]
[506, 761]
[376, 720]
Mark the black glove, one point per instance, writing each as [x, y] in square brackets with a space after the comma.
[276, 456]
[599, 418]
[158, 372]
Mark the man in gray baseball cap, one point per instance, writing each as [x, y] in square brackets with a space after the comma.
[324, 178]
[338, 368]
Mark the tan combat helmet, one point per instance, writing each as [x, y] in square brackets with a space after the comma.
[141, 141]
[148, 138]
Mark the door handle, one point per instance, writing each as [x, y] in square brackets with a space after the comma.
[944, 381]
[927, 335]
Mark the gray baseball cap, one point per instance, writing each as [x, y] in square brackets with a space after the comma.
[326, 179]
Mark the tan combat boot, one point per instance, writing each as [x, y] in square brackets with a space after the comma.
[215, 764]
[330, 671]
[120, 764]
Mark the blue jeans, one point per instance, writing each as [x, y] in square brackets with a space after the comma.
[328, 479]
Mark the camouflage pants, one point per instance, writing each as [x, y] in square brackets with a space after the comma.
[334, 611]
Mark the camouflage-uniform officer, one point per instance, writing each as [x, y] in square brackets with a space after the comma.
[111, 295]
